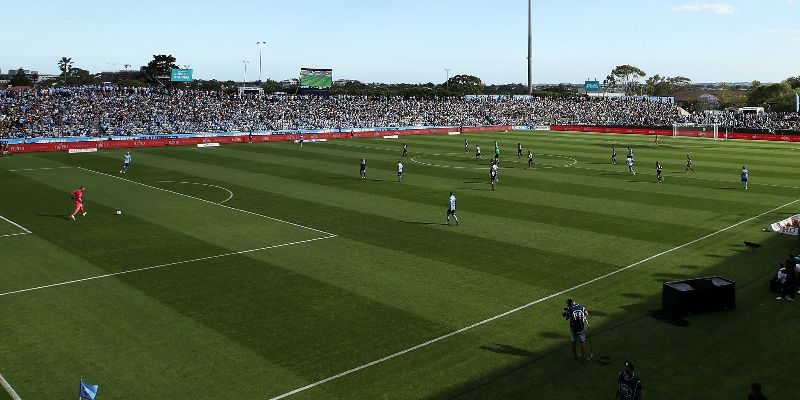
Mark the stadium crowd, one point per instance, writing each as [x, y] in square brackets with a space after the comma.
[102, 111]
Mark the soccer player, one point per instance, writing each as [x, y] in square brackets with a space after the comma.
[519, 150]
[466, 146]
[496, 153]
[629, 161]
[629, 386]
[688, 164]
[658, 173]
[478, 153]
[493, 174]
[405, 151]
[745, 176]
[656, 139]
[77, 200]
[302, 138]
[451, 208]
[126, 162]
[399, 171]
[531, 161]
[630, 152]
[363, 168]
[577, 314]
[613, 155]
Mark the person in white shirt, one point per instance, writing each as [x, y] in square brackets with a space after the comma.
[399, 171]
[451, 209]
[630, 166]
[126, 162]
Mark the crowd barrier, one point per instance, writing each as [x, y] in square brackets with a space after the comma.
[227, 138]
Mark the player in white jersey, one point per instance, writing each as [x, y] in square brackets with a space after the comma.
[630, 166]
[659, 176]
[126, 162]
[478, 153]
[493, 174]
[399, 171]
[745, 177]
[688, 164]
[451, 209]
[466, 146]
[531, 161]
[630, 152]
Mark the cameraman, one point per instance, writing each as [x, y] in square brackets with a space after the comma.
[576, 314]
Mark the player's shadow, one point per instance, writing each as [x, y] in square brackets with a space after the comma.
[59, 216]
[506, 349]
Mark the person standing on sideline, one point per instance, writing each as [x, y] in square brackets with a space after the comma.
[126, 162]
[576, 314]
[77, 200]
[629, 386]
[688, 164]
[363, 168]
[659, 177]
[399, 171]
[755, 392]
[745, 176]
[613, 155]
[451, 209]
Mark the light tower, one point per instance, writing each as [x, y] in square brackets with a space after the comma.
[530, 51]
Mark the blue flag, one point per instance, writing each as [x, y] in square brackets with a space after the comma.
[87, 391]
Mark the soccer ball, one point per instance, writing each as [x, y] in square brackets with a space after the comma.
[118, 212]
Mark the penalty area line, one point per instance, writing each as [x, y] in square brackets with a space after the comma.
[208, 201]
[25, 231]
[522, 307]
[8, 388]
[109, 275]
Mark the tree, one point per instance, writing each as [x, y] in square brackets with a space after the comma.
[465, 84]
[81, 76]
[628, 76]
[657, 85]
[64, 65]
[774, 97]
[729, 97]
[19, 79]
[160, 67]
[794, 82]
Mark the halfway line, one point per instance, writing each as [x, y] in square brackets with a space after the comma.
[509, 312]
[162, 266]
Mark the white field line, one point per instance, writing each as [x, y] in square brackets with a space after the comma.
[209, 202]
[687, 176]
[534, 302]
[230, 194]
[13, 292]
[8, 388]
[37, 169]
[24, 230]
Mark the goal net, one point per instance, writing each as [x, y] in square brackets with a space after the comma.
[710, 131]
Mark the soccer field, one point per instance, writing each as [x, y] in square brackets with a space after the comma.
[263, 271]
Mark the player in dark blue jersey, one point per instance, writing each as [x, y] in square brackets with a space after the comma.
[519, 150]
[689, 165]
[363, 168]
[629, 386]
[405, 151]
[613, 155]
[659, 176]
[576, 314]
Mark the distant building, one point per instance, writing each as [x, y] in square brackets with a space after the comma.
[32, 76]
[342, 82]
[118, 76]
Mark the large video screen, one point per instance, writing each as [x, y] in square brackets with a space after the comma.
[315, 78]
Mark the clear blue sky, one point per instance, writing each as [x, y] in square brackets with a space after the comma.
[413, 40]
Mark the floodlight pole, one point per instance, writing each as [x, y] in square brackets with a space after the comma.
[260, 46]
[244, 82]
[530, 51]
[447, 82]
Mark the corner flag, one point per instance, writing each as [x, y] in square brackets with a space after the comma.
[87, 391]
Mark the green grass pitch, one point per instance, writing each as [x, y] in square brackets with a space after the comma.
[257, 270]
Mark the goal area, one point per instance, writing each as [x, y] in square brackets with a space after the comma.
[710, 131]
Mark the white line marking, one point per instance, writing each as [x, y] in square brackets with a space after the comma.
[163, 266]
[209, 201]
[37, 169]
[599, 278]
[230, 194]
[24, 230]
[8, 388]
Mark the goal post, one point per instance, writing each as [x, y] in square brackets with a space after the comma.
[710, 131]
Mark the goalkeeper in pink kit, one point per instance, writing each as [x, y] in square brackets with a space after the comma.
[77, 199]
